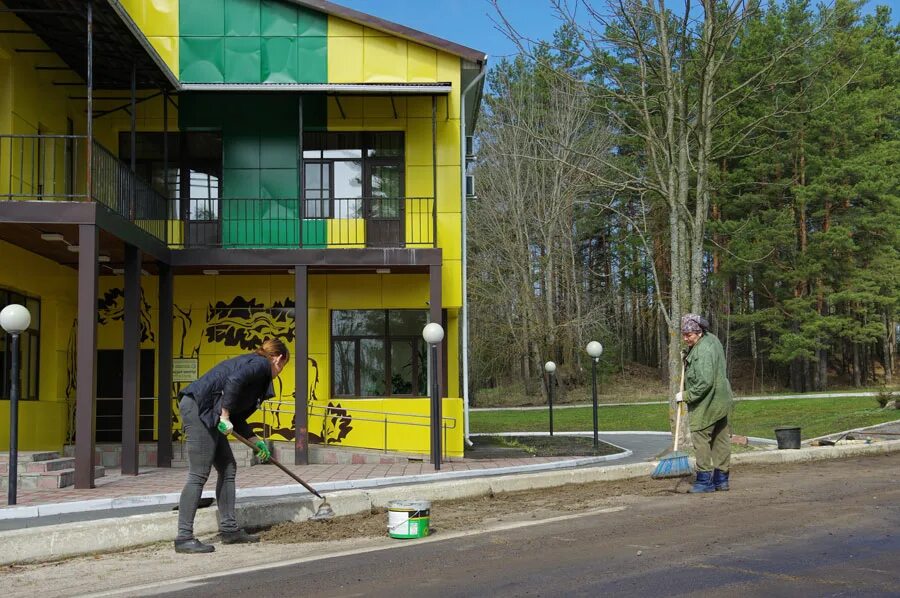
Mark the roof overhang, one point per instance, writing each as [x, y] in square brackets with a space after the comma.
[343, 88]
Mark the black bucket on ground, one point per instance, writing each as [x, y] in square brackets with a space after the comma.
[788, 437]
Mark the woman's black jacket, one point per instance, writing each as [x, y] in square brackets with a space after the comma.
[239, 384]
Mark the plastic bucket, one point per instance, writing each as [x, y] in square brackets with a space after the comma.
[408, 518]
[788, 437]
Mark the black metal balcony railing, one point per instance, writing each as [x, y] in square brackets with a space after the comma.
[51, 168]
[308, 223]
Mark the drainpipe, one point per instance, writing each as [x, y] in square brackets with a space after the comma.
[465, 299]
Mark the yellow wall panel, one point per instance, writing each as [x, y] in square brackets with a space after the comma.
[352, 108]
[409, 291]
[317, 291]
[384, 59]
[369, 32]
[167, 48]
[448, 150]
[449, 235]
[422, 63]
[383, 108]
[345, 57]
[345, 233]
[338, 27]
[418, 142]
[158, 21]
[418, 181]
[419, 107]
[451, 275]
[449, 189]
[453, 356]
[354, 292]
[448, 67]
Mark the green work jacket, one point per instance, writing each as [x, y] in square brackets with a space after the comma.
[706, 389]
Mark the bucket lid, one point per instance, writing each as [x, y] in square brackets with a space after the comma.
[787, 428]
[409, 505]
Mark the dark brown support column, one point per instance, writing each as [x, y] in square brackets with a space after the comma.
[89, 144]
[435, 313]
[86, 360]
[131, 357]
[301, 369]
[164, 368]
[434, 197]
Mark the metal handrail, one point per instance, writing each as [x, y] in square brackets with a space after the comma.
[447, 423]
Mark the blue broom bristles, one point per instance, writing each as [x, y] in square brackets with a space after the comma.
[673, 465]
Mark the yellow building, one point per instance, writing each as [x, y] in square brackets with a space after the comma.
[288, 168]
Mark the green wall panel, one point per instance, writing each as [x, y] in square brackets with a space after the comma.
[252, 41]
[279, 60]
[240, 150]
[315, 234]
[279, 150]
[311, 23]
[315, 112]
[242, 60]
[202, 59]
[312, 59]
[278, 18]
[201, 17]
[242, 18]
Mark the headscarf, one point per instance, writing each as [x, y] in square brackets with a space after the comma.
[693, 323]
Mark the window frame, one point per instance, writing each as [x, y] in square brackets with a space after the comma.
[28, 364]
[418, 357]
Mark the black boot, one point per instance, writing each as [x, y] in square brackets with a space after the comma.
[720, 479]
[703, 483]
[193, 546]
[238, 537]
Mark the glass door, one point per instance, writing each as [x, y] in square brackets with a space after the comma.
[384, 204]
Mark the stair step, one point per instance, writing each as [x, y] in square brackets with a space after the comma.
[30, 456]
[47, 480]
[50, 465]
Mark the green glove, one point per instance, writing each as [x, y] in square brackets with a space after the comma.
[263, 454]
[224, 426]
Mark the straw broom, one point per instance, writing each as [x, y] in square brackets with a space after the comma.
[675, 464]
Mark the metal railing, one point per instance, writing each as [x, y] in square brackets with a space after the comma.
[52, 168]
[249, 223]
[286, 409]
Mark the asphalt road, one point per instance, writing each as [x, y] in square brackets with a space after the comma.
[820, 529]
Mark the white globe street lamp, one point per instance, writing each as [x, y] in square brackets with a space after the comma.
[433, 334]
[14, 319]
[595, 350]
[550, 368]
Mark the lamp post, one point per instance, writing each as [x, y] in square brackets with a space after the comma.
[14, 319]
[550, 368]
[433, 334]
[595, 350]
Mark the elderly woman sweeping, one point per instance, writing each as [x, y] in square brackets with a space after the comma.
[707, 394]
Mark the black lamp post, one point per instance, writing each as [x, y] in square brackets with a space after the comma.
[550, 368]
[14, 319]
[433, 334]
[595, 350]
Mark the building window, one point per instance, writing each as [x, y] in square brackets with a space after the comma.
[29, 349]
[353, 174]
[378, 353]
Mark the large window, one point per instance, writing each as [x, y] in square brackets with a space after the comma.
[29, 349]
[378, 353]
[343, 172]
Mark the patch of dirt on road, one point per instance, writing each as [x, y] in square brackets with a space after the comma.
[469, 513]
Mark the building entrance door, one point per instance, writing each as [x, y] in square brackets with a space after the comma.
[109, 396]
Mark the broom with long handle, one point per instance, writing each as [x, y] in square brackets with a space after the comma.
[676, 463]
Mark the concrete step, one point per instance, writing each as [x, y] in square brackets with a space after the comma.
[330, 454]
[47, 480]
[29, 456]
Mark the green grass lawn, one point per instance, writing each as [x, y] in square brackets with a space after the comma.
[816, 417]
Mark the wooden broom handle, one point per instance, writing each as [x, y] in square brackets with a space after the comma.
[678, 410]
[275, 462]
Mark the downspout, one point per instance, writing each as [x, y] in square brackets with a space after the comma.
[465, 299]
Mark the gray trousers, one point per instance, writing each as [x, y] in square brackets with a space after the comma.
[712, 446]
[205, 448]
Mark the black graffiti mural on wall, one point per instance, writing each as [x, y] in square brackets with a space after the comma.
[112, 307]
[245, 323]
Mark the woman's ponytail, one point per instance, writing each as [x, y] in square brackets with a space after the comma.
[273, 347]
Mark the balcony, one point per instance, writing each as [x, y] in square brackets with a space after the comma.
[292, 223]
[52, 168]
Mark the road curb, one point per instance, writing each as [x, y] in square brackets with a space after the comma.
[109, 535]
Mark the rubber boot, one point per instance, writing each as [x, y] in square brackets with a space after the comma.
[238, 537]
[193, 546]
[720, 479]
[703, 483]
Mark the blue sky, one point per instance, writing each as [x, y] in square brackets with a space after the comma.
[468, 22]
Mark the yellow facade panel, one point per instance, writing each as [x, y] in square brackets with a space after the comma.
[317, 291]
[448, 67]
[418, 142]
[422, 63]
[451, 275]
[318, 343]
[347, 107]
[345, 124]
[345, 58]
[338, 27]
[418, 181]
[449, 235]
[384, 108]
[167, 48]
[356, 291]
[346, 233]
[384, 60]
[448, 150]
[449, 181]
[404, 291]
[419, 107]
